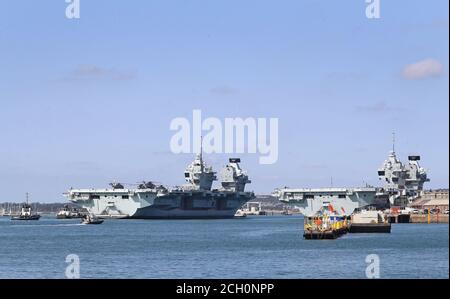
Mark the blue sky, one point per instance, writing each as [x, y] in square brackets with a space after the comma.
[88, 101]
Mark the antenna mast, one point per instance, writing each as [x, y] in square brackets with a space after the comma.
[393, 142]
[201, 153]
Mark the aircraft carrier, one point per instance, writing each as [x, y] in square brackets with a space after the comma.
[338, 201]
[194, 200]
[403, 183]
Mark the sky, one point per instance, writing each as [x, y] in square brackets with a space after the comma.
[87, 101]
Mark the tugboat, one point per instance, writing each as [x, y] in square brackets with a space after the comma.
[91, 219]
[26, 213]
[68, 213]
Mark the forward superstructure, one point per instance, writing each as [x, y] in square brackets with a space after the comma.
[402, 182]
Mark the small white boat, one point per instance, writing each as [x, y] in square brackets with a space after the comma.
[240, 214]
[91, 219]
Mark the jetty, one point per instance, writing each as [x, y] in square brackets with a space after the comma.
[429, 218]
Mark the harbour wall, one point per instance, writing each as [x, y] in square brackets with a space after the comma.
[434, 218]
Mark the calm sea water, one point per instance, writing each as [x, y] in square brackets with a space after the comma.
[253, 247]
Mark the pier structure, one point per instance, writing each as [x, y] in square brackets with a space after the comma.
[369, 221]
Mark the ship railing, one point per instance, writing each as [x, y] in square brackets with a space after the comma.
[80, 197]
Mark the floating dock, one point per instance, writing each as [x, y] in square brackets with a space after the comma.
[370, 228]
[324, 227]
[370, 222]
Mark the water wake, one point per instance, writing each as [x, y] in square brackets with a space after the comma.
[46, 225]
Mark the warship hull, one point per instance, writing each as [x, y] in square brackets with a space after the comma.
[157, 213]
[172, 205]
[199, 205]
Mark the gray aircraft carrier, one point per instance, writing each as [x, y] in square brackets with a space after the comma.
[194, 200]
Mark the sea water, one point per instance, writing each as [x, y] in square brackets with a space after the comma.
[251, 247]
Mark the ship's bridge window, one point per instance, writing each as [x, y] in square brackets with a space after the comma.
[309, 196]
[124, 196]
[343, 196]
[186, 174]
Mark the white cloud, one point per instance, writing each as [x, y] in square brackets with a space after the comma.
[93, 71]
[224, 90]
[378, 107]
[423, 69]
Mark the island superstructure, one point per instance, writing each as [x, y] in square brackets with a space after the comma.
[196, 199]
[402, 182]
